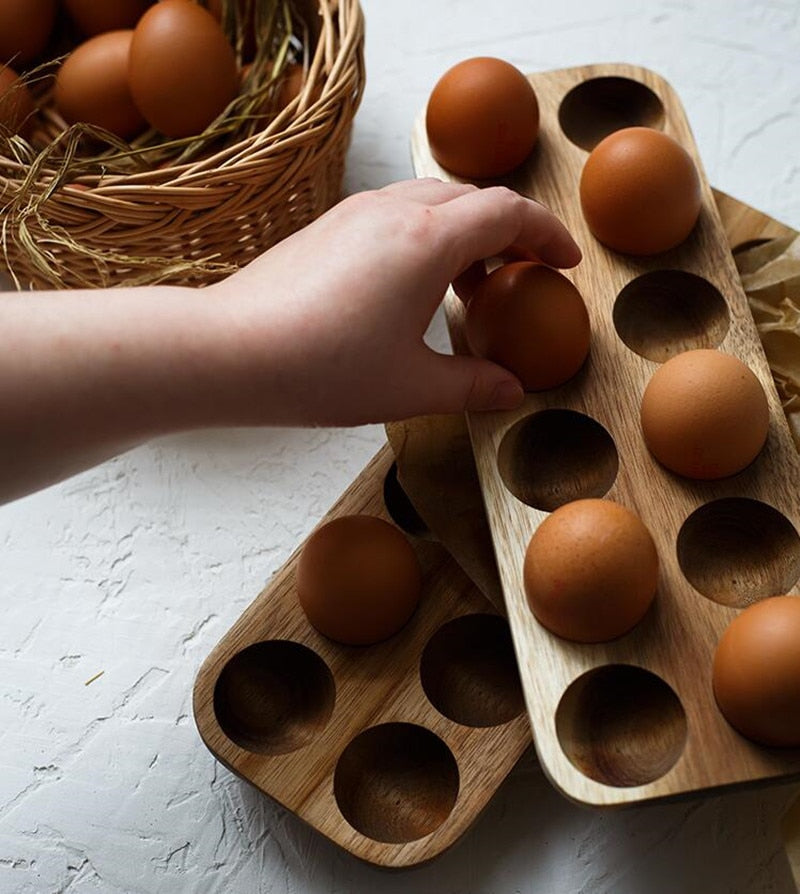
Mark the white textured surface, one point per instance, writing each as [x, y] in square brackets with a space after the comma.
[138, 567]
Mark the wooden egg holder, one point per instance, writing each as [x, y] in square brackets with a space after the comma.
[635, 719]
[389, 750]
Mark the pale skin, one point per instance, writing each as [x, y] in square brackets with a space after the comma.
[326, 328]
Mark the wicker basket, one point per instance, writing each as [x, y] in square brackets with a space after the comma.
[194, 223]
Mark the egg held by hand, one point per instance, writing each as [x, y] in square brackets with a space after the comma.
[531, 320]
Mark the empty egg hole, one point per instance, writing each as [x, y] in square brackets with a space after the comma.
[736, 551]
[401, 509]
[555, 456]
[396, 782]
[469, 672]
[274, 697]
[598, 107]
[662, 313]
[621, 725]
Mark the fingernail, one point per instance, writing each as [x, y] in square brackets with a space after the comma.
[506, 396]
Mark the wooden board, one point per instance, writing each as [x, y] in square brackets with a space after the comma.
[635, 720]
[390, 750]
[435, 464]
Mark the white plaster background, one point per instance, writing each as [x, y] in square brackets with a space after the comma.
[138, 567]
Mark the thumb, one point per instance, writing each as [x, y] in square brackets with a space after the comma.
[458, 383]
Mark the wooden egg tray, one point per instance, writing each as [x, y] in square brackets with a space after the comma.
[389, 750]
[635, 719]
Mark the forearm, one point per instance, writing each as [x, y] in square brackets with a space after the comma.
[85, 375]
[327, 327]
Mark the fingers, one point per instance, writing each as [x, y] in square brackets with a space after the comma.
[492, 221]
[453, 384]
[428, 190]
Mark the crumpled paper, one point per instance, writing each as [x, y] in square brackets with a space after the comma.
[770, 275]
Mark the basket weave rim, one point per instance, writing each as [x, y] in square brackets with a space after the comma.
[340, 38]
[193, 222]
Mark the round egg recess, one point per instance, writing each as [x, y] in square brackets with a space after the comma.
[756, 672]
[704, 415]
[482, 118]
[640, 191]
[182, 69]
[92, 85]
[358, 580]
[590, 571]
[532, 320]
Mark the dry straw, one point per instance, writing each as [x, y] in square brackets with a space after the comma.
[80, 208]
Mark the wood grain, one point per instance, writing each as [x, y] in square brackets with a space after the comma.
[675, 643]
[435, 465]
[348, 738]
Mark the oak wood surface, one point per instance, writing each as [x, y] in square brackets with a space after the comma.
[374, 686]
[676, 640]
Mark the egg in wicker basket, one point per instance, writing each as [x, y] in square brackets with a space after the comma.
[83, 209]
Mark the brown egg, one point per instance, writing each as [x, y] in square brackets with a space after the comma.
[358, 579]
[482, 118]
[16, 102]
[96, 16]
[640, 191]
[532, 320]
[756, 672]
[293, 80]
[704, 415]
[590, 571]
[25, 28]
[183, 70]
[92, 85]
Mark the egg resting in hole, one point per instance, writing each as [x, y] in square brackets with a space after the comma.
[482, 118]
[590, 571]
[358, 579]
[756, 672]
[704, 414]
[640, 191]
[92, 85]
[531, 320]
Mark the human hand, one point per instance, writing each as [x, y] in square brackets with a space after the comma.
[330, 322]
[325, 328]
